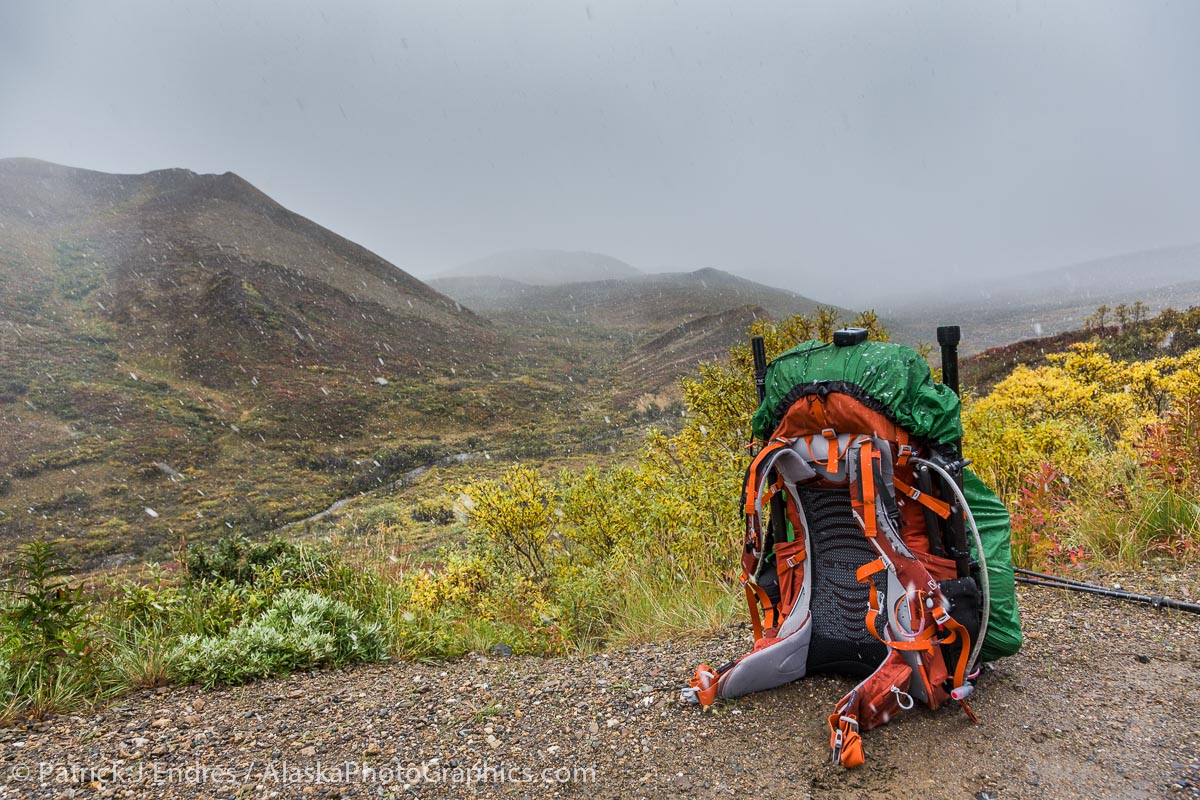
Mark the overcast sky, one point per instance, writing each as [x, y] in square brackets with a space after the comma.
[792, 142]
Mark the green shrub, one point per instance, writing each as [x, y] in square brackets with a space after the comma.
[299, 630]
[237, 559]
[148, 602]
[425, 636]
[50, 651]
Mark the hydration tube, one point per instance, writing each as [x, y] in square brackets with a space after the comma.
[985, 588]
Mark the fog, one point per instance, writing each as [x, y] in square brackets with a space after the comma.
[842, 150]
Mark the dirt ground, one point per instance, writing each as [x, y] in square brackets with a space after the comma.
[1102, 702]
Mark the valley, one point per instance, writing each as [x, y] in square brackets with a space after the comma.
[181, 357]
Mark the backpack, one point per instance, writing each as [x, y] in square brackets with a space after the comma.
[862, 553]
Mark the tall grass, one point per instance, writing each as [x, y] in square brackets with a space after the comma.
[647, 607]
[1152, 521]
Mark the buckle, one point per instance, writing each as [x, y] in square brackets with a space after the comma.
[839, 736]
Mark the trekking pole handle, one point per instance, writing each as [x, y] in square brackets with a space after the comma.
[760, 367]
[948, 337]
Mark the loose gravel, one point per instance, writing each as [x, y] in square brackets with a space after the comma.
[1102, 702]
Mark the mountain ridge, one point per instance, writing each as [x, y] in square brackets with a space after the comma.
[653, 301]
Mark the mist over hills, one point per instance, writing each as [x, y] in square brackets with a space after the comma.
[545, 267]
[999, 311]
[1127, 275]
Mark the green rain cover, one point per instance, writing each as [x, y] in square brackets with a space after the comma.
[898, 378]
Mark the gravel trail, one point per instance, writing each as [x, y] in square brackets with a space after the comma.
[1103, 702]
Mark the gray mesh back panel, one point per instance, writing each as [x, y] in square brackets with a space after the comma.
[840, 642]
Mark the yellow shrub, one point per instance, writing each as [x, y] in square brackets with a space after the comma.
[514, 515]
[1084, 413]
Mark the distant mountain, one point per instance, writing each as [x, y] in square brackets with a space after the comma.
[1099, 279]
[663, 325]
[182, 343]
[545, 267]
[647, 304]
[1000, 311]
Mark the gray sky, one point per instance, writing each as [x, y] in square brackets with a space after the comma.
[791, 142]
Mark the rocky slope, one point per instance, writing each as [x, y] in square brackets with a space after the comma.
[175, 348]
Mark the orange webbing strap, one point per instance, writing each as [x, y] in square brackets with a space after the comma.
[904, 454]
[755, 594]
[923, 641]
[818, 408]
[938, 507]
[752, 473]
[869, 569]
[831, 438]
[866, 473]
[964, 655]
[864, 574]
[770, 613]
[755, 619]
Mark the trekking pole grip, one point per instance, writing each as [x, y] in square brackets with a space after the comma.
[948, 337]
[760, 367]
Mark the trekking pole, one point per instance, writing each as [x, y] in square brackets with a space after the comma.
[1057, 579]
[1032, 578]
[948, 336]
[760, 367]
